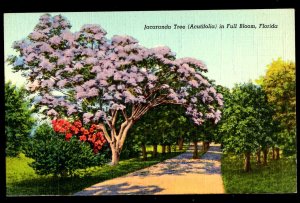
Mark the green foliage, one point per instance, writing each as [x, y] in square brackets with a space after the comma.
[52, 154]
[131, 147]
[278, 177]
[216, 132]
[162, 125]
[18, 119]
[248, 121]
[279, 83]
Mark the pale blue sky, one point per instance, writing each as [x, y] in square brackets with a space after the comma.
[231, 55]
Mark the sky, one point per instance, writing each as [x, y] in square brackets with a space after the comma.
[231, 55]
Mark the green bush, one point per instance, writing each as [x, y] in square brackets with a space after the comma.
[52, 154]
[18, 118]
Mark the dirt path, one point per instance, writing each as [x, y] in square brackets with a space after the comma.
[178, 175]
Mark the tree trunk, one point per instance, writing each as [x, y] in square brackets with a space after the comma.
[163, 149]
[205, 146]
[273, 153]
[247, 165]
[258, 156]
[169, 148]
[180, 143]
[195, 154]
[277, 153]
[115, 157]
[154, 150]
[265, 153]
[144, 152]
[116, 141]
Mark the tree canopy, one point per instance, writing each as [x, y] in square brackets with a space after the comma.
[102, 79]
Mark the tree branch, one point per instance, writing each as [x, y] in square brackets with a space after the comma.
[125, 114]
[103, 128]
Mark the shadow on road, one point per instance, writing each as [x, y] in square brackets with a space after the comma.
[120, 189]
[182, 164]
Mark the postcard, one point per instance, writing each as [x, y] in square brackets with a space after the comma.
[186, 102]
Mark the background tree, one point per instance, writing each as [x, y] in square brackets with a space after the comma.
[279, 83]
[103, 80]
[246, 123]
[18, 118]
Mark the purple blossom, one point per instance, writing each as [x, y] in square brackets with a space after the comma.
[98, 115]
[93, 92]
[56, 40]
[37, 35]
[118, 107]
[69, 53]
[118, 95]
[193, 83]
[91, 60]
[139, 77]
[121, 87]
[90, 83]
[103, 83]
[52, 112]
[33, 86]
[194, 100]
[87, 117]
[213, 90]
[112, 88]
[64, 60]
[31, 57]
[161, 50]
[78, 78]
[88, 52]
[152, 77]
[210, 115]
[129, 98]
[45, 64]
[46, 48]
[106, 96]
[71, 110]
[132, 82]
[100, 54]
[217, 116]
[150, 85]
[78, 65]
[92, 28]
[117, 76]
[67, 35]
[133, 69]
[61, 83]
[47, 83]
[123, 40]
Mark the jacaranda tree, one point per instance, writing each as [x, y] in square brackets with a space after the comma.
[103, 80]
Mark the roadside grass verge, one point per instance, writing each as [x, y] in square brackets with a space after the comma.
[279, 176]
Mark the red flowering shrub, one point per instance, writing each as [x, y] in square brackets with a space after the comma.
[93, 135]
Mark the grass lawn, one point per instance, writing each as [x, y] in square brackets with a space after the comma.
[279, 176]
[22, 180]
